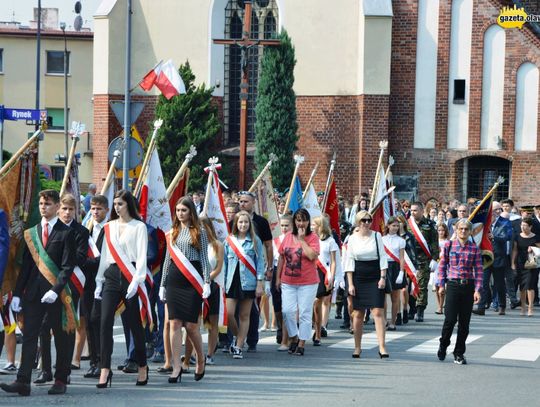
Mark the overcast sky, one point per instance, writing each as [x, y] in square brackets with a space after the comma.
[22, 10]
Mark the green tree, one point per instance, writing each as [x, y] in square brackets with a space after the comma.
[189, 119]
[276, 124]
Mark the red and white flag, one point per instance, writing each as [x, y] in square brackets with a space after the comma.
[215, 207]
[166, 78]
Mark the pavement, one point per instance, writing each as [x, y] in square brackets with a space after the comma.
[503, 369]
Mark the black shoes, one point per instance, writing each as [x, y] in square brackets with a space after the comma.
[58, 388]
[479, 311]
[460, 360]
[324, 332]
[384, 355]
[176, 379]
[316, 342]
[123, 365]
[131, 367]
[44, 377]
[16, 387]
[162, 369]
[398, 319]
[93, 373]
[292, 347]
[199, 376]
[143, 382]
[441, 353]
[108, 382]
[514, 305]
[419, 315]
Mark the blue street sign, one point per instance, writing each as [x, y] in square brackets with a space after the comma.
[24, 114]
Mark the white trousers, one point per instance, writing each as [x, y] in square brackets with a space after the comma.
[298, 298]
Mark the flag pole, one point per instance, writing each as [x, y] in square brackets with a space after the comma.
[313, 172]
[189, 156]
[75, 137]
[266, 168]
[149, 152]
[110, 173]
[19, 152]
[383, 145]
[299, 160]
[327, 186]
[500, 180]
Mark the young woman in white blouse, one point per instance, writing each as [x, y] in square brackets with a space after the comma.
[120, 277]
[366, 268]
[326, 268]
[395, 248]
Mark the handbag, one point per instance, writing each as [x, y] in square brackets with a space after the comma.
[533, 262]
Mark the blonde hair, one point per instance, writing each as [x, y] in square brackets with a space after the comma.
[324, 227]
[361, 215]
[251, 230]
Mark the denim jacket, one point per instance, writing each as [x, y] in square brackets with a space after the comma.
[247, 279]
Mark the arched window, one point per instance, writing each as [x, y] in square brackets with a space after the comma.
[263, 26]
[527, 107]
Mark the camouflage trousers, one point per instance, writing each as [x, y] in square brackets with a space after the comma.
[422, 276]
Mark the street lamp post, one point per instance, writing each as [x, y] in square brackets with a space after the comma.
[66, 121]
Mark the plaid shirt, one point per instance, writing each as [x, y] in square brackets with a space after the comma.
[461, 262]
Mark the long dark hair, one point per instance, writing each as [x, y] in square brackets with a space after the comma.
[194, 224]
[303, 215]
[128, 198]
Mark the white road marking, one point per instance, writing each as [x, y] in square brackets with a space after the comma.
[369, 341]
[527, 349]
[432, 345]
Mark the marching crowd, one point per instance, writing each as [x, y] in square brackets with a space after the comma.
[75, 279]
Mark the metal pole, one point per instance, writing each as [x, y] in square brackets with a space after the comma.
[1, 137]
[66, 118]
[38, 55]
[127, 102]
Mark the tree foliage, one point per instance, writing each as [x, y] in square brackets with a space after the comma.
[189, 119]
[276, 124]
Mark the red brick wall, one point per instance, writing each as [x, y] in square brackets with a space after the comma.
[439, 169]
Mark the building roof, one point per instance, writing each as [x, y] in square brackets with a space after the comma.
[24, 31]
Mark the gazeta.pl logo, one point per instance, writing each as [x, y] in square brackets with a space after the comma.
[515, 17]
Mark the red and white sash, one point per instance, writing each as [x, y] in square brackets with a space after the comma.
[409, 268]
[222, 317]
[187, 269]
[128, 271]
[241, 254]
[419, 237]
[324, 269]
[78, 278]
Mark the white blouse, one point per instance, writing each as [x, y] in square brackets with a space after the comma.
[133, 242]
[395, 243]
[365, 249]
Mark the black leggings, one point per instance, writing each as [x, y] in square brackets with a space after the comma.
[114, 290]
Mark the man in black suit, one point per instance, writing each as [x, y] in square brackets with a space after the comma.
[510, 275]
[91, 309]
[536, 220]
[66, 214]
[45, 291]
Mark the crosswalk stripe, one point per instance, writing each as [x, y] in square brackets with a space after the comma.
[432, 345]
[271, 340]
[526, 349]
[369, 341]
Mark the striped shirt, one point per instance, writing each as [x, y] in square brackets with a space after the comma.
[461, 262]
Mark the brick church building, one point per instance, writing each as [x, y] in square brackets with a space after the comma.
[455, 94]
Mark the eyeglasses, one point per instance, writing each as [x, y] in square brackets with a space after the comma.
[245, 193]
[365, 220]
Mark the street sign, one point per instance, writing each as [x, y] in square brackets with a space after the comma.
[117, 107]
[23, 114]
[136, 152]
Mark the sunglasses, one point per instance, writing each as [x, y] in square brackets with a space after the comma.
[366, 220]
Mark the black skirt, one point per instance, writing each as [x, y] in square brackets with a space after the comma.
[366, 279]
[321, 289]
[183, 301]
[213, 299]
[528, 279]
[393, 272]
[235, 290]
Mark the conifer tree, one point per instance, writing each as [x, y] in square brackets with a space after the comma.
[189, 119]
[276, 124]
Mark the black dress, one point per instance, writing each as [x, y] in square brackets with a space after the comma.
[183, 300]
[528, 278]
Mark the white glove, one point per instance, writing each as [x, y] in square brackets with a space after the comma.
[206, 290]
[162, 294]
[342, 284]
[399, 278]
[16, 304]
[132, 289]
[97, 292]
[49, 297]
[433, 265]
[268, 288]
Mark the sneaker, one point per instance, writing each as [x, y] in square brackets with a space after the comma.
[460, 360]
[252, 348]
[441, 353]
[9, 368]
[210, 360]
[237, 353]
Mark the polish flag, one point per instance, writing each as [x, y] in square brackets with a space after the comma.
[166, 78]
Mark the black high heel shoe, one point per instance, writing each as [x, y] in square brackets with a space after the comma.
[356, 355]
[199, 376]
[384, 355]
[143, 382]
[108, 382]
[176, 379]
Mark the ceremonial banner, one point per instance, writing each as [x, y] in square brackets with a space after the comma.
[266, 204]
[332, 208]
[311, 204]
[296, 196]
[73, 187]
[215, 208]
[179, 192]
[481, 220]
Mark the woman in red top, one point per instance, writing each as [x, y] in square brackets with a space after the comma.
[298, 279]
